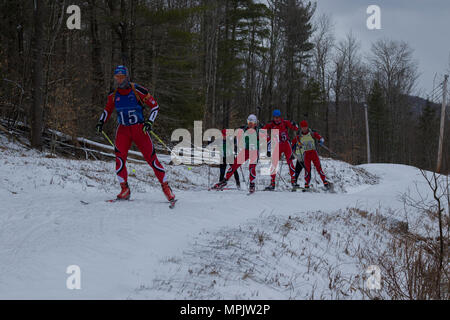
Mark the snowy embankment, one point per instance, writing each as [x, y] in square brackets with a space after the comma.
[212, 245]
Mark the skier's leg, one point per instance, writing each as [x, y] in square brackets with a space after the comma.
[234, 167]
[223, 167]
[123, 144]
[253, 157]
[302, 167]
[236, 177]
[298, 169]
[145, 145]
[287, 149]
[252, 169]
[252, 178]
[231, 170]
[307, 160]
[316, 161]
[273, 168]
[272, 179]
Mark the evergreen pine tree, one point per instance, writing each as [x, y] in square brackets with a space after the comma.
[377, 123]
[427, 136]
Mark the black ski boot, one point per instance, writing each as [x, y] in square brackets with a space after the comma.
[220, 185]
[251, 188]
[271, 187]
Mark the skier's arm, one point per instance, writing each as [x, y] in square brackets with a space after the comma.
[265, 134]
[266, 131]
[239, 138]
[318, 137]
[262, 134]
[267, 126]
[294, 144]
[147, 98]
[106, 114]
[292, 125]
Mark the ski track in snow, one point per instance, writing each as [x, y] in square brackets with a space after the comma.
[142, 249]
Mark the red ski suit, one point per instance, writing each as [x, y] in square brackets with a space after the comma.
[246, 154]
[130, 128]
[252, 166]
[284, 144]
[310, 153]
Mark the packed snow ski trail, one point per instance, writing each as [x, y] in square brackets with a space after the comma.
[44, 227]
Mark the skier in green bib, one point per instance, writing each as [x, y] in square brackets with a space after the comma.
[307, 140]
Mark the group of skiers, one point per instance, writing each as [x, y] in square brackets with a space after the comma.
[303, 148]
[129, 99]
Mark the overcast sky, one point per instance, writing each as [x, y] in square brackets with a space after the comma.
[424, 24]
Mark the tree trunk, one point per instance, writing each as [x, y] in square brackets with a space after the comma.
[37, 75]
[114, 7]
[96, 54]
[124, 33]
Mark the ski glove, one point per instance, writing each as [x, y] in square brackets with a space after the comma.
[321, 141]
[147, 126]
[99, 126]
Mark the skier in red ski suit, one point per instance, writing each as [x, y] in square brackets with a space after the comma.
[306, 138]
[250, 136]
[284, 144]
[128, 100]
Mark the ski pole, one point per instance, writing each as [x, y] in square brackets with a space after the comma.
[160, 141]
[209, 173]
[110, 142]
[279, 173]
[242, 172]
[164, 145]
[282, 179]
[330, 151]
[243, 177]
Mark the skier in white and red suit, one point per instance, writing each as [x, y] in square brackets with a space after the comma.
[129, 99]
[249, 135]
[284, 144]
[307, 139]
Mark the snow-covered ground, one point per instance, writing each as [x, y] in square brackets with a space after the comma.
[226, 245]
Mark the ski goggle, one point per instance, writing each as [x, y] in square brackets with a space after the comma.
[120, 77]
[251, 122]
